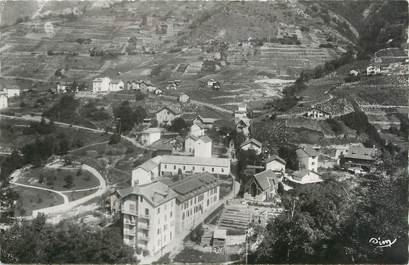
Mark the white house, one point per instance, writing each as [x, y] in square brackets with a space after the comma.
[183, 98]
[241, 112]
[243, 126]
[191, 164]
[101, 84]
[203, 147]
[304, 176]
[13, 92]
[307, 158]
[165, 116]
[145, 173]
[190, 143]
[373, 70]
[3, 100]
[354, 72]
[252, 144]
[317, 114]
[197, 129]
[158, 92]
[275, 163]
[116, 85]
[150, 135]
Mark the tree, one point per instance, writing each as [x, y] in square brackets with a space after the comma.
[68, 181]
[178, 125]
[127, 117]
[288, 153]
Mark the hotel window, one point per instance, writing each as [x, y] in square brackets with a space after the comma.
[202, 168]
[222, 170]
[158, 231]
[207, 202]
[193, 168]
[184, 167]
[174, 167]
[170, 214]
[159, 209]
[132, 207]
[141, 198]
[212, 169]
[166, 166]
[146, 211]
[183, 216]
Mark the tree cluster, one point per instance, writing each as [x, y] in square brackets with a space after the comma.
[128, 117]
[63, 110]
[39, 242]
[326, 223]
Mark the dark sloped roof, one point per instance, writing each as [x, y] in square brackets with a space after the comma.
[266, 178]
[193, 185]
[252, 140]
[277, 158]
[306, 151]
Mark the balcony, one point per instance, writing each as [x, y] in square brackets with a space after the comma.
[143, 216]
[143, 226]
[128, 231]
[142, 237]
[129, 222]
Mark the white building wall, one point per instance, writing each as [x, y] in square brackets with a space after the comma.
[3, 102]
[189, 145]
[149, 138]
[202, 149]
[101, 86]
[309, 163]
[195, 130]
[275, 166]
[174, 168]
[165, 117]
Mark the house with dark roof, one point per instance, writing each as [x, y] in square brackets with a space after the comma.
[307, 158]
[243, 126]
[275, 163]
[252, 144]
[165, 116]
[359, 156]
[208, 123]
[263, 186]
[146, 172]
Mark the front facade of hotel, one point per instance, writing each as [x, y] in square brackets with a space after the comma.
[154, 213]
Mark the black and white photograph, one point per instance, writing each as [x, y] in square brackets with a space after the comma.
[208, 132]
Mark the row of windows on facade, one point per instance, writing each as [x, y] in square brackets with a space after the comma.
[193, 168]
[198, 208]
[198, 198]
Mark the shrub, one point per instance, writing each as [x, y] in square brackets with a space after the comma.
[114, 139]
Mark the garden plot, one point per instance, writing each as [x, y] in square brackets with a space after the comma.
[33, 199]
[60, 179]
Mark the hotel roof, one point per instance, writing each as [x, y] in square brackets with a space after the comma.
[156, 193]
[191, 160]
[193, 185]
